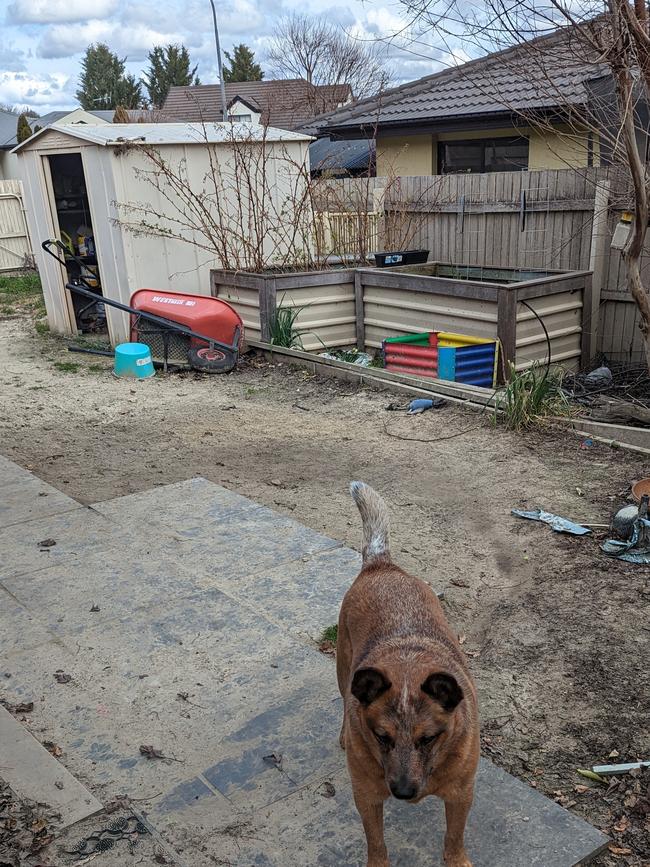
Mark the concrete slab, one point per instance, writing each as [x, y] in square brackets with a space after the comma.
[32, 772]
[20, 629]
[28, 498]
[182, 504]
[318, 825]
[203, 648]
[78, 533]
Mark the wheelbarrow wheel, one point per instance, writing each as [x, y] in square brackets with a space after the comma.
[211, 360]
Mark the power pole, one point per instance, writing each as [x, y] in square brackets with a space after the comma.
[224, 107]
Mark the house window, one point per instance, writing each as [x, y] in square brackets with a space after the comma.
[241, 118]
[483, 155]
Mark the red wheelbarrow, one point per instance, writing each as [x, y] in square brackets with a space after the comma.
[189, 330]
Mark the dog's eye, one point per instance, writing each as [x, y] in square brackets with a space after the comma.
[427, 741]
[384, 741]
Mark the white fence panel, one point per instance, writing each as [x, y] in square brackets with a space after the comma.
[15, 246]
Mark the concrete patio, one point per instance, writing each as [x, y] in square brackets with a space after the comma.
[186, 617]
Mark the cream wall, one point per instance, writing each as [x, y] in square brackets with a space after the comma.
[405, 155]
[418, 154]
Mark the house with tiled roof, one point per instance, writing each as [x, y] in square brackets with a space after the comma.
[281, 103]
[512, 110]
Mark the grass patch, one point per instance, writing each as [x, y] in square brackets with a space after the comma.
[42, 327]
[20, 287]
[96, 368]
[330, 633]
[531, 395]
[67, 366]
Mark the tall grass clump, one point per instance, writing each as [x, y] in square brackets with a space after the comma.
[531, 395]
[283, 327]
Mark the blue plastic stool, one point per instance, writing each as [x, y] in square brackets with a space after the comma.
[133, 359]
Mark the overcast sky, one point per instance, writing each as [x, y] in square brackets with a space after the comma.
[43, 40]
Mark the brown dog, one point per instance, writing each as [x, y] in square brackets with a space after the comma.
[410, 723]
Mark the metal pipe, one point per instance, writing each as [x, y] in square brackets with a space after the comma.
[224, 107]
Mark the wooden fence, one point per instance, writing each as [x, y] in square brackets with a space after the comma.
[556, 219]
[15, 247]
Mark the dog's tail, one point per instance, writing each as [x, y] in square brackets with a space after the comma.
[376, 524]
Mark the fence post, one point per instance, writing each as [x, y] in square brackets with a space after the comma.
[598, 264]
[590, 311]
[359, 311]
[507, 330]
[267, 300]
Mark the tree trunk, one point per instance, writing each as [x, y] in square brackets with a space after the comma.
[642, 299]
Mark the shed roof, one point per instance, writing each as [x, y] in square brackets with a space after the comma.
[115, 134]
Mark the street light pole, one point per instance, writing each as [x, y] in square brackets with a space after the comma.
[224, 107]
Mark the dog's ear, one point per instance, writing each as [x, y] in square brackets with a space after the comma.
[444, 689]
[368, 684]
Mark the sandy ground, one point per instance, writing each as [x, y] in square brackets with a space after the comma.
[557, 633]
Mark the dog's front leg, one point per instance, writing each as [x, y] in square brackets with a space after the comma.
[372, 816]
[456, 812]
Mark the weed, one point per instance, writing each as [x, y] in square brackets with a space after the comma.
[96, 368]
[7, 311]
[330, 633]
[530, 395]
[17, 287]
[42, 327]
[283, 327]
[67, 366]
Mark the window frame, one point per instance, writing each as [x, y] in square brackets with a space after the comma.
[484, 143]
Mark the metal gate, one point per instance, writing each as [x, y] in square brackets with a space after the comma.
[15, 246]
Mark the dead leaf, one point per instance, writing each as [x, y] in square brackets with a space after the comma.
[462, 639]
[21, 707]
[53, 748]
[459, 582]
[581, 789]
[622, 825]
[614, 754]
[617, 850]
[274, 759]
[328, 648]
[61, 677]
[150, 752]
[327, 790]
[47, 543]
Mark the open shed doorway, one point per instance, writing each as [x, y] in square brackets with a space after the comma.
[75, 230]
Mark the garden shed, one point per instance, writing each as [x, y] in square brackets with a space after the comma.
[142, 204]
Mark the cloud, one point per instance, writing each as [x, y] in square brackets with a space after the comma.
[20, 88]
[11, 60]
[58, 11]
[133, 42]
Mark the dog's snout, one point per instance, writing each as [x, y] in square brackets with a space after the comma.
[403, 789]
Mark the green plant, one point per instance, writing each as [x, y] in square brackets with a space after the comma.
[330, 633]
[283, 327]
[531, 394]
[15, 287]
[67, 366]
[42, 326]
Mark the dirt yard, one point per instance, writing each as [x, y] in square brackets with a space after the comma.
[558, 634]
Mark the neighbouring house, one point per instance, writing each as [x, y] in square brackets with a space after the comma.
[8, 162]
[523, 108]
[280, 103]
[342, 158]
